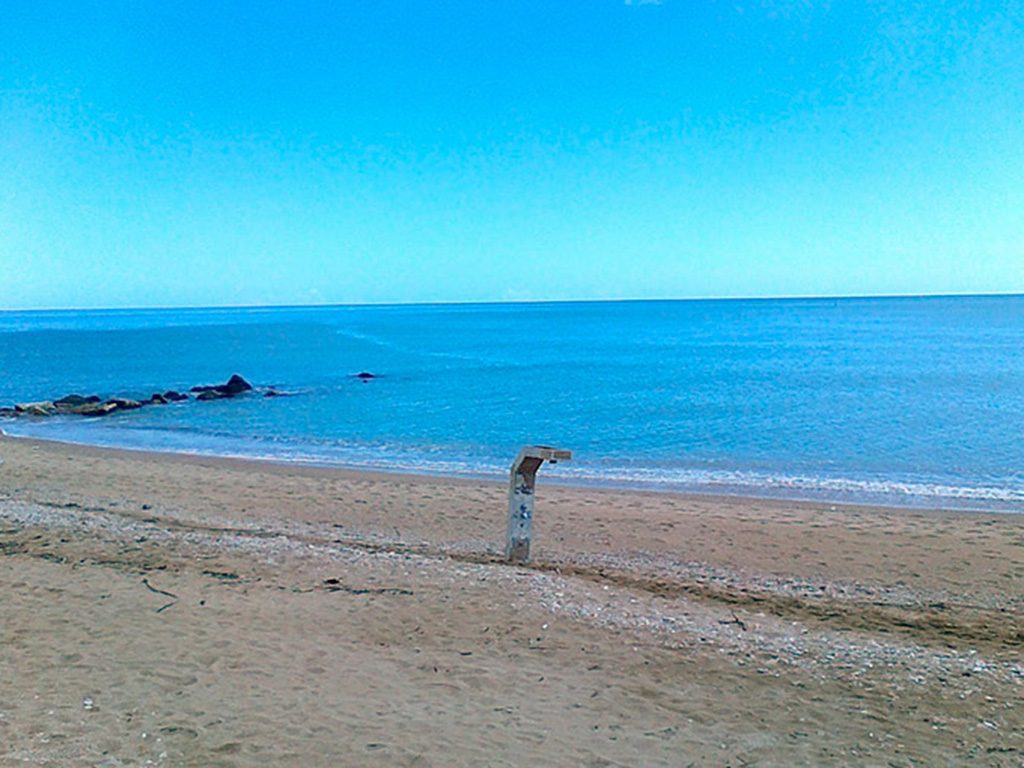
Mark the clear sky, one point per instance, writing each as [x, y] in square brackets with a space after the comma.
[201, 153]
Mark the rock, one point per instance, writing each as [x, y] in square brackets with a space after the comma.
[74, 400]
[365, 375]
[123, 403]
[41, 408]
[236, 385]
[213, 394]
[79, 409]
[91, 405]
[278, 393]
[72, 403]
[95, 409]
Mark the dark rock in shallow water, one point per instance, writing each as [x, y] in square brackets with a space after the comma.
[41, 408]
[91, 405]
[95, 409]
[236, 385]
[112, 405]
[125, 404]
[365, 375]
[278, 393]
[213, 394]
[75, 400]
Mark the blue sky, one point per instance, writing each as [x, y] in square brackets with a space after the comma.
[212, 153]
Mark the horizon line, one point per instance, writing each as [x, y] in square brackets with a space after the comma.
[504, 302]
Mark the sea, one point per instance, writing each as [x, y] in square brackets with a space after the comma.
[915, 402]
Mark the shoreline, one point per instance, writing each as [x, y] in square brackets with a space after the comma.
[575, 509]
[548, 478]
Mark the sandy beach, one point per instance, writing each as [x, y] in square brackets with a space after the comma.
[172, 610]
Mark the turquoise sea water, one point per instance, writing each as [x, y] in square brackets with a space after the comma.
[910, 401]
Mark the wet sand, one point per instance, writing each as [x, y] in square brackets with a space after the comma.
[169, 610]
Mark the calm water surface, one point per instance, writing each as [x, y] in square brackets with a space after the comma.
[918, 402]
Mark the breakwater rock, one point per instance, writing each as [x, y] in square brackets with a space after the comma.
[236, 385]
[94, 405]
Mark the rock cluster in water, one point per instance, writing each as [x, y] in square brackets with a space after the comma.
[236, 385]
[94, 405]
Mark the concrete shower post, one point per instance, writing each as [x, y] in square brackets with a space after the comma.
[522, 483]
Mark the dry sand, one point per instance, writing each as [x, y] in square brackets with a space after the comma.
[167, 610]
